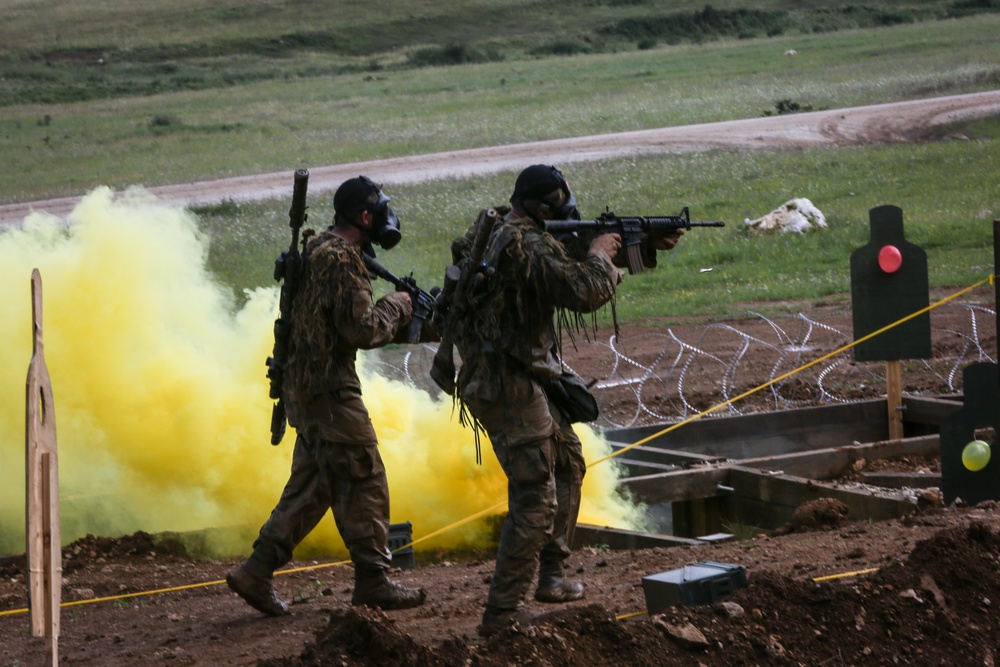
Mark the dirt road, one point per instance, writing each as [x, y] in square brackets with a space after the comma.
[895, 122]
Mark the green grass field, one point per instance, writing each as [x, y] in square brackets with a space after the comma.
[153, 93]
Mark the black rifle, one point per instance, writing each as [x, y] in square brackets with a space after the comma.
[630, 229]
[458, 283]
[287, 267]
[422, 301]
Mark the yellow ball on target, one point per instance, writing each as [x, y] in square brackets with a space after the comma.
[976, 455]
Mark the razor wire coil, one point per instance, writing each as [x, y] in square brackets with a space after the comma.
[641, 384]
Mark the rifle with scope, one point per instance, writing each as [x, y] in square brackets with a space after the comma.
[288, 271]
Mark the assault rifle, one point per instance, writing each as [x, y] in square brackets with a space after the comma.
[422, 301]
[458, 283]
[287, 267]
[629, 228]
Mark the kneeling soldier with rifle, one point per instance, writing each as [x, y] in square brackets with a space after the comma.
[336, 463]
[510, 282]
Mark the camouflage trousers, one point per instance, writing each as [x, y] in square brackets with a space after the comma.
[348, 479]
[543, 461]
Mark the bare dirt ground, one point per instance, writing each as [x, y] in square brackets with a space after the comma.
[914, 591]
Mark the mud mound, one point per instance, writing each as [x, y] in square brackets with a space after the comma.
[587, 635]
[140, 544]
[933, 609]
[365, 637]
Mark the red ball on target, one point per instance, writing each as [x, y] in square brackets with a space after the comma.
[890, 259]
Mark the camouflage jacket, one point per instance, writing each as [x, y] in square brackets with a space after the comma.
[333, 316]
[536, 285]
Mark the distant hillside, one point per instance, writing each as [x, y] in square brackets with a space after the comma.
[52, 52]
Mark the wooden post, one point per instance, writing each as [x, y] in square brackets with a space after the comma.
[894, 399]
[44, 548]
[996, 283]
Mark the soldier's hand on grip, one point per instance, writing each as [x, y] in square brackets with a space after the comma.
[665, 240]
[607, 245]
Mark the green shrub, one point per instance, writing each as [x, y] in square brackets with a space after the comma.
[560, 48]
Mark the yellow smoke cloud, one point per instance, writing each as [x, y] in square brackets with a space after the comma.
[161, 402]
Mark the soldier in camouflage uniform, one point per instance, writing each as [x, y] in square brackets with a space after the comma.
[336, 463]
[511, 352]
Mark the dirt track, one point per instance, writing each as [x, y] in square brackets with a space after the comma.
[895, 122]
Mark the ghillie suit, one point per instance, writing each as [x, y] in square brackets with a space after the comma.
[533, 288]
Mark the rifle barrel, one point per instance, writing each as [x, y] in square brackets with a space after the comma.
[297, 213]
[644, 223]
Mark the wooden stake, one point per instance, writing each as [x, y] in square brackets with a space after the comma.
[894, 399]
[42, 477]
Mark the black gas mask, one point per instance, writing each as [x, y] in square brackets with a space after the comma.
[385, 223]
[533, 193]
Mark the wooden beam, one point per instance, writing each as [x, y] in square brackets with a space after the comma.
[639, 468]
[44, 547]
[769, 500]
[703, 482]
[929, 410]
[617, 538]
[671, 487]
[664, 455]
[833, 462]
[893, 398]
[762, 434]
[900, 480]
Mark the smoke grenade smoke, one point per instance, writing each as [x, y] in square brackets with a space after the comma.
[160, 396]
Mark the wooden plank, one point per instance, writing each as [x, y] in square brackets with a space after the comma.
[764, 434]
[833, 462]
[768, 500]
[702, 516]
[663, 455]
[639, 468]
[901, 480]
[617, 538]
[671, 487]
[893, 399]
[42, 489]
[929, 410]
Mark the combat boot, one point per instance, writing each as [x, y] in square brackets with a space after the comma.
[557, 589]
[495, 620]
[375, 589]
[253, 582]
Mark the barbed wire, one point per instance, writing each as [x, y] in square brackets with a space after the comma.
[663, 376]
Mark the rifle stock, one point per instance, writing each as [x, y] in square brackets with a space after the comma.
[630, 228]
[457, 288]
[287, 268]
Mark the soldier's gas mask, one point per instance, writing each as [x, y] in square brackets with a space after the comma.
[385, 223]
[543, 193]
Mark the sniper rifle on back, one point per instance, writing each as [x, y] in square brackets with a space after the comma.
[630, 229]
[458, 283]
[422, 301]
[287, 268]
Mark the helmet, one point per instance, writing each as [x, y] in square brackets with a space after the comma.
[537, 181]
[354, 195]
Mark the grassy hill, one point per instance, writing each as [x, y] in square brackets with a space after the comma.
[152, 93]
[65, 52]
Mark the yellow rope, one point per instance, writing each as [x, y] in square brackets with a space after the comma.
[846, 574]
